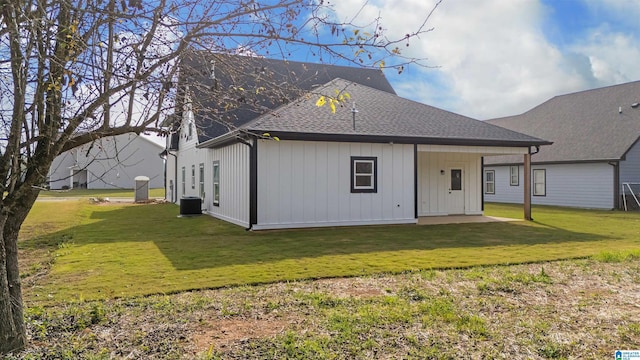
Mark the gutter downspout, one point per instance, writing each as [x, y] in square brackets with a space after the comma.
[482, 184]
[253, 181]
[527, 185]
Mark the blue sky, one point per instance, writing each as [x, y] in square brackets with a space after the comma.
[497, 58]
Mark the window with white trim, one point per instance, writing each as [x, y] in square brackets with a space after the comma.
[364, 177]
[490, 182]
[193, 176]
[514, 178]
[201, 181]
[540, 182]
[216, 183]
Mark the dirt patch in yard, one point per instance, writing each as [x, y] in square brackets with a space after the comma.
[220, 334]
[582, 309]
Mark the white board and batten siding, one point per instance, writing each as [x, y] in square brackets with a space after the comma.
[234, 180]
[187, 156]
[583, 185]
[434, 165]
[434, 182]
[308, 184]
[234, 184]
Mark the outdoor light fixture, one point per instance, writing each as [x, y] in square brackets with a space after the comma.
[441, 172]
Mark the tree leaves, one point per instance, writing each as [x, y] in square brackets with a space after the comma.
[340, 98]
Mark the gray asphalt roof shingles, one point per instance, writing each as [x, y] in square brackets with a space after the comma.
[380, 114]
[265, 83]
[583, 126]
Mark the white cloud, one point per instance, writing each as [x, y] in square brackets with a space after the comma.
[493, 57]
[613, 56]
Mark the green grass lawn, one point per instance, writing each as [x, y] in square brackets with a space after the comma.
[120, 250]
[102, 193]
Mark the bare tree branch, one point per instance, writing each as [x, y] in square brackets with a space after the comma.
[74, 71]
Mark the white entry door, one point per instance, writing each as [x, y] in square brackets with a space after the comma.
[455, 195]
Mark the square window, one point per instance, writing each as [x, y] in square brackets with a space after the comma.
[363, 174]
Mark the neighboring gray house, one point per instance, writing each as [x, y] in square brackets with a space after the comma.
[388, 161]
[595, 150]
[109, 163]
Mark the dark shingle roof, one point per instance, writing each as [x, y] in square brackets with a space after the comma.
[584, 126]
[382, 114]
[246, 87]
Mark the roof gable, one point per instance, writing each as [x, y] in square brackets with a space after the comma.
[228, 91]
[592, 125]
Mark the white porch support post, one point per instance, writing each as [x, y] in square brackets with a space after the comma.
[527, 186]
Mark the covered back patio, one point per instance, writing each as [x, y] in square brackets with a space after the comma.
[449, 179]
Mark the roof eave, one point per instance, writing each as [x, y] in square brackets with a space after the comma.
[285, 135]
[234, 136]
[222, 140]
[552, 162]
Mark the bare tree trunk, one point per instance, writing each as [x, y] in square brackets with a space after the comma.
[12, 330]
[12, 327]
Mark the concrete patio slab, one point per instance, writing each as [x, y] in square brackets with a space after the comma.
[461, 219]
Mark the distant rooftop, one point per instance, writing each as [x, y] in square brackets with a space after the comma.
[594, 125]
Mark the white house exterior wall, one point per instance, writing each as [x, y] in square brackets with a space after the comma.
[234, 175]
[307, 184]
[584, 185]
[187, 157]
[433, 181]
[630, 167]
[234, 184]
[110, 163]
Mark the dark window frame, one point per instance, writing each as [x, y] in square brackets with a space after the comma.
[215, 179]
[459, 179]
[201, 180]
[492, 182]
[184, 181]
[193, 176]
[533, 180]
[374, 174]
[517, 182]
